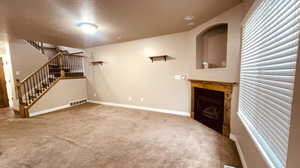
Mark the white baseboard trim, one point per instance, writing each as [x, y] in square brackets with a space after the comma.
[242, 157]
[48, 110]
[182, 113]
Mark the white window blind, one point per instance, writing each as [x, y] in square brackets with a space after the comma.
[268, 65]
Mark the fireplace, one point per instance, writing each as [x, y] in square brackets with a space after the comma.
[211, 104]
[209, 108]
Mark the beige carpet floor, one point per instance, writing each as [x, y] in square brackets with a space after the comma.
[97, 136]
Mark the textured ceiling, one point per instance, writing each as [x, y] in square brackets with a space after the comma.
[54, 21]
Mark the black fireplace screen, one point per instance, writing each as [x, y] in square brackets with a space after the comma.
[209, 108]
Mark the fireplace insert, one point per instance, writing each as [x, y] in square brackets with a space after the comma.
[209, 108]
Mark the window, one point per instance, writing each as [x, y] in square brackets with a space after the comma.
[269, 51]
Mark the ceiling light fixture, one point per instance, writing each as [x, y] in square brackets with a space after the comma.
[88, 28]
[188, 18]
[191, 24]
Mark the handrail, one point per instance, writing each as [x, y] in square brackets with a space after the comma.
[75, 55]
[39, 96]
[35, 85]
[46, 64]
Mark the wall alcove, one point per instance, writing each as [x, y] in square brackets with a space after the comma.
[212, 47]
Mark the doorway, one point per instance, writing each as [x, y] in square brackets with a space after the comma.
[3, 91]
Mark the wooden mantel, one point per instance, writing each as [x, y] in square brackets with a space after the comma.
[225, 87]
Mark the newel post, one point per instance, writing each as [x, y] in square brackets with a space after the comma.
[18, 85]
[61, 63]
[22, 108]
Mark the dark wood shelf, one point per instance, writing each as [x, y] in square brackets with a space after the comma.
[97, 62]
[159, 57]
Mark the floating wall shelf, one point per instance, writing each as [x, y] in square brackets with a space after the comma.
[97, 62]
[159, 57]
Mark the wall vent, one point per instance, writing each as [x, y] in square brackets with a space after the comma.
[78, 102]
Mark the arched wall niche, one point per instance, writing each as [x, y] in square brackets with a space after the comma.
[211, 46]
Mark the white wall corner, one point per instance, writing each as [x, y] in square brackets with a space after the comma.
[241, 154]
[182, 113]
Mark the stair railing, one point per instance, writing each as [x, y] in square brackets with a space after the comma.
[40, 46]
[37, 45]
[34, 86]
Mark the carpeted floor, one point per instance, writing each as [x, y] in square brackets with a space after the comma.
[96, 136]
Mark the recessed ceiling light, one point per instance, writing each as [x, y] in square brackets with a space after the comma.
[188, 18]
[89, 28]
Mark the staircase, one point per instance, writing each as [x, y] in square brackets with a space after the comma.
[34, 86]
[42, 48]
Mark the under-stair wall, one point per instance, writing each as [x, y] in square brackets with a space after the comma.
[61, 66]
[60, 96]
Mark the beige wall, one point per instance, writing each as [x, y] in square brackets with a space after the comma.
[61, 94]
[128, 73]
[25, 58]
[252, 156]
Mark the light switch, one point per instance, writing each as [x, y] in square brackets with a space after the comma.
[177, 77]
[180, 77]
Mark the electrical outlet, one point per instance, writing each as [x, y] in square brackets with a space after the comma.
[141, 99]
[95, 94]
[129, 98]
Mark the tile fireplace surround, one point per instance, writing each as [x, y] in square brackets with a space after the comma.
[224, 87]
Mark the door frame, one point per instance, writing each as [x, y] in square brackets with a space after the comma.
[3, 89]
